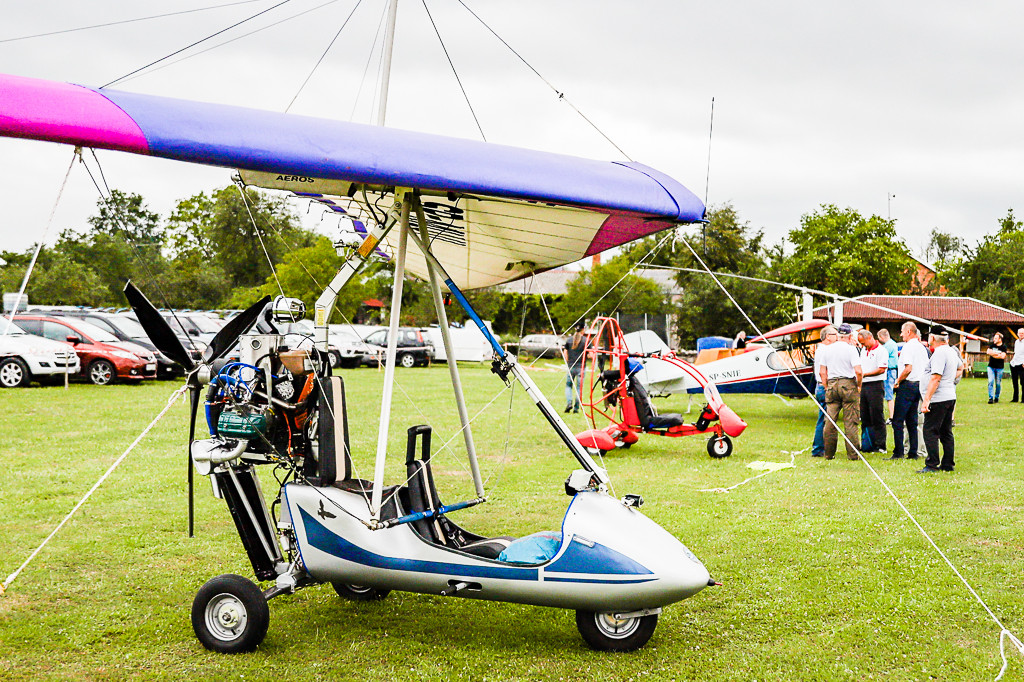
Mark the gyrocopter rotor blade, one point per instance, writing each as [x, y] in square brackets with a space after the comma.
[156, 327]
[228, 336]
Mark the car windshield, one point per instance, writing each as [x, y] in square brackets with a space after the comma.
[92, 331]
[12, 328]
[128, 327]
[205, 324]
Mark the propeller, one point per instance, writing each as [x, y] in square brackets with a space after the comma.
[164, 338]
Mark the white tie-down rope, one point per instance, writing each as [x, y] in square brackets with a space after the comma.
[1003, 631]
[170, 401]
[779, 467]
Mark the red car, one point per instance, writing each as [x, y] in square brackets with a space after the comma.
[104, 358]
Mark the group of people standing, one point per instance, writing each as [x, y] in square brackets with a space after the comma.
[858, 374]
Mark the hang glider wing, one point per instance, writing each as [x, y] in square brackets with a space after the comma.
[494, 213]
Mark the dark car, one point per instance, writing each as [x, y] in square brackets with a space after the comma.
[542, 345]
[127, 329]
[104, 358]
[413, 347]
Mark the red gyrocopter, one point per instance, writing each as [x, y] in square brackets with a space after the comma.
[610, 390]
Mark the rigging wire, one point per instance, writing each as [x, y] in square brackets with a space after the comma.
[42, 240]
[454, 72]
[322, 56]
[256, 229]
[128, 21]
[369, 60]
[1003, 631]
[231, 40]
[561, 94]
[201, 40]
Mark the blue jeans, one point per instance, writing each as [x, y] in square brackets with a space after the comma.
[818, 447]
[908, 398]
[995, 376]
[890, 381]
[572, 389]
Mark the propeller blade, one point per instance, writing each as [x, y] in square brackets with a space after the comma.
[157, 328]
[228, 336]
[193, 395]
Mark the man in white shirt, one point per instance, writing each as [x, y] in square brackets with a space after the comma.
[938, 401]
[874, 363]
[828, 337]
[841, 377]
[1017, 366]
[910, 369]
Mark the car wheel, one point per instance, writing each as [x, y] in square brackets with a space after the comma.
[407, 360]
[359, 592]
[102, 372]
[720, 446]
[230, 615]
[606, 632]
[14, 372]
[334, 358]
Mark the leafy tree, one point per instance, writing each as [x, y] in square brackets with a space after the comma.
[943, 247]
[606, 289]
[989, 270]
[57, 279]
[840, 251]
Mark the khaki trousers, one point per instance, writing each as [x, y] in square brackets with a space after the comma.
[842, 395]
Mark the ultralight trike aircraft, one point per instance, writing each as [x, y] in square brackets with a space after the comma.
[478, 214]
[611, 390]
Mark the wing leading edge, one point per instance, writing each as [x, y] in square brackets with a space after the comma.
[519, 210]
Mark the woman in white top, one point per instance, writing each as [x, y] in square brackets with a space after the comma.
[1017, 367]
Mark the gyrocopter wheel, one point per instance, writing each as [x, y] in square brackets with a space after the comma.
[230, 615]
[720, 446]
[359, 592]
[608, 632]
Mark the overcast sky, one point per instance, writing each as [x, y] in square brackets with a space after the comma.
[815, 102]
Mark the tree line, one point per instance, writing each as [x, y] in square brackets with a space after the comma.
[212, 252]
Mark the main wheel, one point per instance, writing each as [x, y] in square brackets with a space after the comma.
[720, 446]
[14, 372]
[605, 632]
[407, 360]
[230, 615]
[102, 372]
[360, 592]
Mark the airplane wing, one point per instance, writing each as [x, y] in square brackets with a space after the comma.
[494, 213]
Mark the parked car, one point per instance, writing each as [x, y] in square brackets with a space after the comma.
[128, 329]
[103, 358]
[201, 326]
[25, 357]
[542, 345]
[413, 347]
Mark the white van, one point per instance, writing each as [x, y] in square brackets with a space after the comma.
[24, 357]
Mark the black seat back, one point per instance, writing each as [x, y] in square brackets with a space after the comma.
[422, 494]
[642, 402]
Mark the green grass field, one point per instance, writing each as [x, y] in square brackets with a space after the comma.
[824, 577]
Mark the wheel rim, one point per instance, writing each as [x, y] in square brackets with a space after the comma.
[359, 589]
[408, 361]
[720, 446]
[334, 360]
[100, 373]
[616, 628]
[226, 617]
[11, 374]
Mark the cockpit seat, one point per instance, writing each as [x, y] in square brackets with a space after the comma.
[650, 420]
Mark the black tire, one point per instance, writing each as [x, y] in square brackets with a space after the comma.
[102, 372]
[14, 373]
[605, 632]
[407, 360]
[720, 446]
[334, 357]
[230, 615]
[359, 592]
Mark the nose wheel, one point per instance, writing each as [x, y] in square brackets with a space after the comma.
[230, 615]
[611, 632]
[720, 446]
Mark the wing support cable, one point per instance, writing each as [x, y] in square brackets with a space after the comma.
[1004, 632]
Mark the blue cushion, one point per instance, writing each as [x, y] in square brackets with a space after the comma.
[533, 549]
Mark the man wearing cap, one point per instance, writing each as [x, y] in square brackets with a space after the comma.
[874, 362]
[841, 376]
[572, 353]
[828, 337]
[938, 400]
[911, 369]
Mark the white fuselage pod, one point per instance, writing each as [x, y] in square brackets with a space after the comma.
[611, 558]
